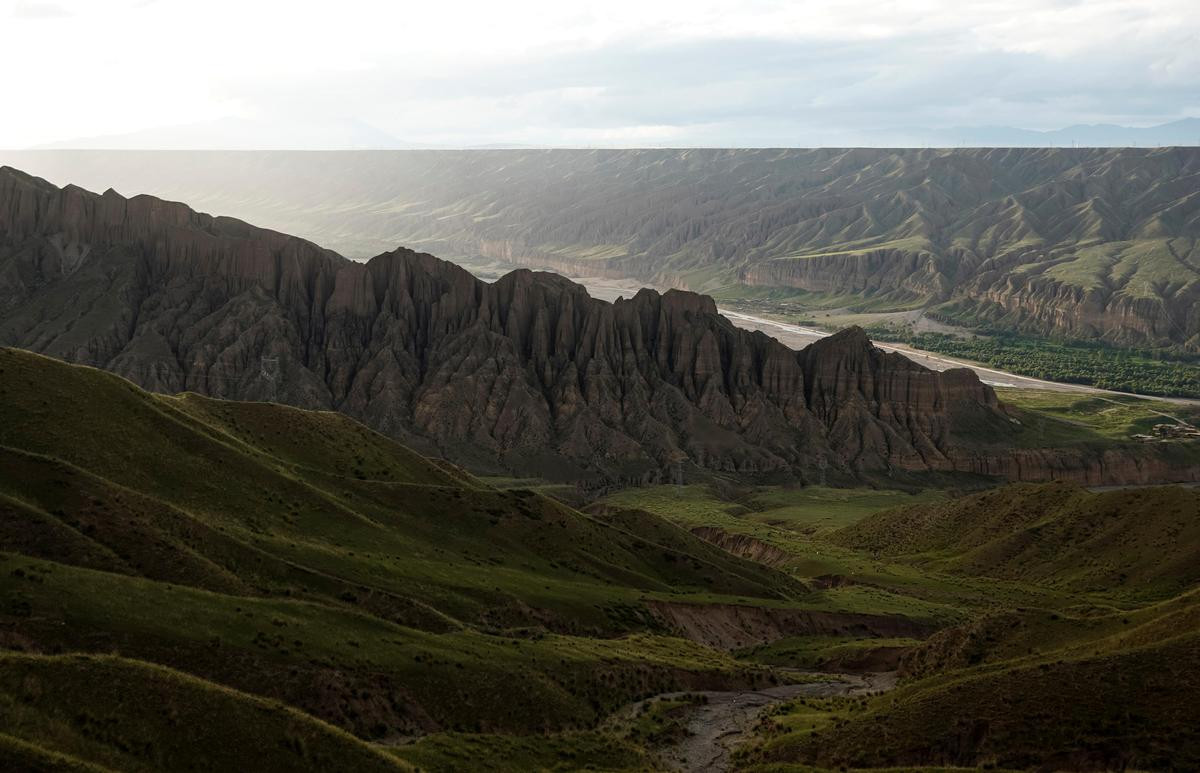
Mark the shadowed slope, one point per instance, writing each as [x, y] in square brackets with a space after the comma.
[1105, 683]
[125, 715]
[1109, 711]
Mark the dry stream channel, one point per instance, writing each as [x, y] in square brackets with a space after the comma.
[724, 720]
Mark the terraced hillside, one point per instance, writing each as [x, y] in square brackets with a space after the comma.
[1067, 242]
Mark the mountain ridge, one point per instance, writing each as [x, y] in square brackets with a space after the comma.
[1079, 243]
[423, 351]
[527, 374]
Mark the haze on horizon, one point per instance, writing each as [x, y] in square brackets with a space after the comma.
[271, 74]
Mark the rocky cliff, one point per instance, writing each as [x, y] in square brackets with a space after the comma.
[528, 374]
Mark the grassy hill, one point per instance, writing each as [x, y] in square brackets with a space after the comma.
[264, 556]
[1082, 689]
[1099, 683]
[276, 500]
[1138, 544]
[93, 713]
[301, 557]
[1109, 711]
[179, 573]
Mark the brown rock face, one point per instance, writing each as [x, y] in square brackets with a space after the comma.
[528, 374]
[1081, 243]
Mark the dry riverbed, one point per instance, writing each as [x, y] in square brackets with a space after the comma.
[721, 721]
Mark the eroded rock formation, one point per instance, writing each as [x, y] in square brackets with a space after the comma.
[528, 374]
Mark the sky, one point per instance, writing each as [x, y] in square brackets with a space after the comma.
[251, 73]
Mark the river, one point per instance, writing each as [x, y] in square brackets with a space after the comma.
[797, 337]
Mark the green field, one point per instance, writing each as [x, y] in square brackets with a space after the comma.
[1106, 417]
[1094, 364]
[806, 510]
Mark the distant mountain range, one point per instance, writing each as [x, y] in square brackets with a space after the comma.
[1081, 243]
[260, 134]
[1184, 132]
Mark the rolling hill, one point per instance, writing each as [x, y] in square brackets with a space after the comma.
[1111, 710]
[1142, 543]
[1098, 684]
[303, 558]
[1076, 243]
[176, 569]
[153, 718]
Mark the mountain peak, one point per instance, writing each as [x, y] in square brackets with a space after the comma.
[853, 336]
[852, 342]
[689, 302]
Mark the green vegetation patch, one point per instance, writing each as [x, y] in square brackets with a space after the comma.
[1114, 417]
[1131, 544]
[1140, 371]
[1111, 711]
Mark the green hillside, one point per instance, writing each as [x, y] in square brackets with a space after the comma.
[1110, 711]
[1098, 681]
[1141, 544]
[271, 554]
[179, 573]
[120, 714]
[300, 556]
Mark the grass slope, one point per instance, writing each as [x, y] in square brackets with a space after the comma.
[1103, 683]
[1138, 544]
[356, 670]
[124, 715]
[1112, 711]
[300, 557]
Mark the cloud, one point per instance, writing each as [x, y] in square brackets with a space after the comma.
[540, 72]
[35, 10]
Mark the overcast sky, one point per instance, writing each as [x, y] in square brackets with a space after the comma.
[618, 72]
